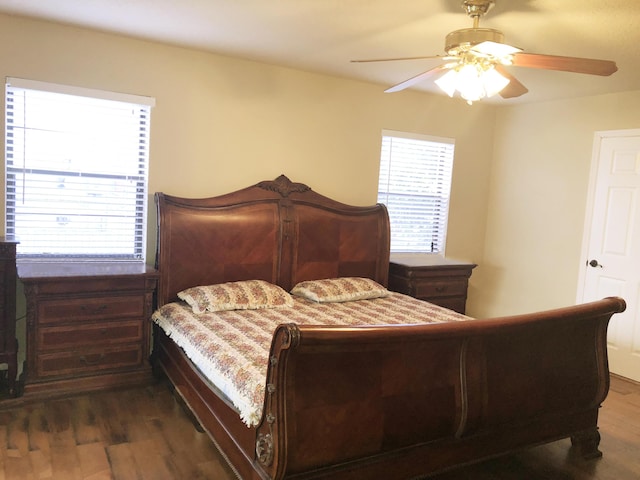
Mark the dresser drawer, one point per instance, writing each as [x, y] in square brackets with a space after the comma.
[90, 360]
[90, 308]
[426, 289]
[75, 336]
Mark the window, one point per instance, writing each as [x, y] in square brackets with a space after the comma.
[76, 172]
[414, 184]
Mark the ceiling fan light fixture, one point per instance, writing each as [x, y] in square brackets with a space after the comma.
[474, 81]
[470, 84]
[475, 60]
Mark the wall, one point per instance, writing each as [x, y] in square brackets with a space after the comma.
[520, 175]
[539, 184]
[223, 123]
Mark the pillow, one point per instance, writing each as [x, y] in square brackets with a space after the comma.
[244, 295]
[342, 289]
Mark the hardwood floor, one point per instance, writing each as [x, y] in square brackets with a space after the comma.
[132, 434]
[143, 433]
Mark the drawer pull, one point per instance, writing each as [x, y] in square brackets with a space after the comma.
[95, 361]
[94, 309]
[441, 289]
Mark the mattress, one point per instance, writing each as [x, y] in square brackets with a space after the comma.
[231, 348]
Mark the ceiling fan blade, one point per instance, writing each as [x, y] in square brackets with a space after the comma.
[395, 59]
[514, 88]
[566, 64]
[413, 80]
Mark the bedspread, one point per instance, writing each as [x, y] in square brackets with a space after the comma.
[231, 348]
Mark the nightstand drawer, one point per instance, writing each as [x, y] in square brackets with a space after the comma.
[88, 360]
[441, 289]
[74, 336]
[90, 308]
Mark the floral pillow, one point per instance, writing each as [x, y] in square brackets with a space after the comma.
[342, 289]
[244, 295]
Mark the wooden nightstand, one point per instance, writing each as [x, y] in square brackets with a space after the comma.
[432, 278]
[87, 326]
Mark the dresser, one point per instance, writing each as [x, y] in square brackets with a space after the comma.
[87, 326]
[8, 342]
[432, 278]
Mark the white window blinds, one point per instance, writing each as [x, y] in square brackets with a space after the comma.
[414, 184]
[76, 171]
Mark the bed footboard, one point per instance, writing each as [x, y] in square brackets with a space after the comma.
[398, 402]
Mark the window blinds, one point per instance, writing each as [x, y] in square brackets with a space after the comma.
[414, 184]
[76, 171]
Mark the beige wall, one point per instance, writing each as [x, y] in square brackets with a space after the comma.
[520, 174]
[222, 123]
[537, 203]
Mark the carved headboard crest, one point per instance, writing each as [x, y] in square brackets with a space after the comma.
[283, 186]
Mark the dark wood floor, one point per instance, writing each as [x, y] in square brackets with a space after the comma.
[144, 434]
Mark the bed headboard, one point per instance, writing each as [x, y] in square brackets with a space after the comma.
[279, 231]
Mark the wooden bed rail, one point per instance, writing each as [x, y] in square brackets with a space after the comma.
[333, 393]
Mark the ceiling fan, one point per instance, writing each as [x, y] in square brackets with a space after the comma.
[476, 57]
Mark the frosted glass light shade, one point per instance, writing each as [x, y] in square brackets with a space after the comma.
[470, 84]
[493, 82]
[447, 82]
[473, 80]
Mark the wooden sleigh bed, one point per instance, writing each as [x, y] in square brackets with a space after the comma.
[385, 401]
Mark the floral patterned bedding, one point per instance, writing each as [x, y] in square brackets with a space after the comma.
[231, 348]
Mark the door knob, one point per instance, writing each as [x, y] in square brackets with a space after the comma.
[594, 263]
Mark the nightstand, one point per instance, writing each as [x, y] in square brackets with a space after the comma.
[432, 278]
[87, 325]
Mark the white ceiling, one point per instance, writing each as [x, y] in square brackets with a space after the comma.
[324, 35]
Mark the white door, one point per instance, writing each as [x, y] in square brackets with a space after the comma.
[611, 254]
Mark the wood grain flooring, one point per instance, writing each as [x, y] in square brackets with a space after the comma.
[135, 434]
[143, 433]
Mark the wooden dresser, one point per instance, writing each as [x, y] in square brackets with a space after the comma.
[8, 342]
[432, 278]
[87, 326]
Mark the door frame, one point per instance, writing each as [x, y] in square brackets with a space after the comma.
[588, 216]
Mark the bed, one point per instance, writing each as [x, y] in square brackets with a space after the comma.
[384, 400]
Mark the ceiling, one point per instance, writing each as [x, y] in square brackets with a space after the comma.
[324, 35]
